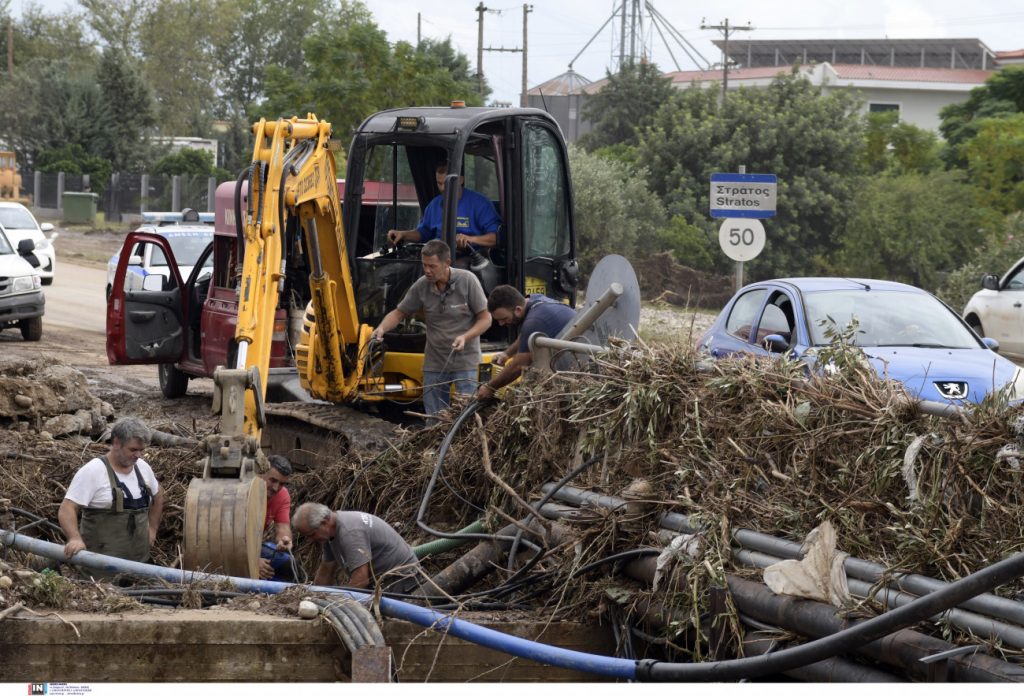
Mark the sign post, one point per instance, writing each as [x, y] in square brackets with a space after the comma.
[742, 199]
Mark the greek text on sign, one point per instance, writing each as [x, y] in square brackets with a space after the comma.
[743, 195]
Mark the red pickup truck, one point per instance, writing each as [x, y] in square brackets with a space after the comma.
[193, 332]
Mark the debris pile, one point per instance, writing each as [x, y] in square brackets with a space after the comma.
[739, 444]
[732, 445]
[49, 398]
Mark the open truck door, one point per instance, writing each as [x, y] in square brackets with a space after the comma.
[146, 326]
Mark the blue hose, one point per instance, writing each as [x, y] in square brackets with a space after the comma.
[611, 667]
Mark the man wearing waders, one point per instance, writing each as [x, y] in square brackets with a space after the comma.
[118, 496]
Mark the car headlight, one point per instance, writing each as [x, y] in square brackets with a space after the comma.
[26, 283]
[43, 244]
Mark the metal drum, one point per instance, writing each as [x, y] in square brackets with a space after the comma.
[224, 525]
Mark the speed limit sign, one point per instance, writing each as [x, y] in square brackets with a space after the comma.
[742, 239]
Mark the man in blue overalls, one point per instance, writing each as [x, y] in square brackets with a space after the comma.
[118, 496]
[476, 222]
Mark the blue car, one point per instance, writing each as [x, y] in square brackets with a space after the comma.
[906, 333]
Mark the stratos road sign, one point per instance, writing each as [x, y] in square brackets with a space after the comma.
[741, 239]
[743, 195]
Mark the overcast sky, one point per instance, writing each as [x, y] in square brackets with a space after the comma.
[559, 29]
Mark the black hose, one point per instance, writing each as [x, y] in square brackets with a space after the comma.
[239, 220]
[614, 558]
[38, 519]
[844, 641]
[429, 491]
[547, 496]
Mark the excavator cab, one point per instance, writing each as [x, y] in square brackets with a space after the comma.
[516, 158]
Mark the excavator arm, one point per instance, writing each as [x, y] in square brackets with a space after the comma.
[292, 176]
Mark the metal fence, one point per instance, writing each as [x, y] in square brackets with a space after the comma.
[125, 195]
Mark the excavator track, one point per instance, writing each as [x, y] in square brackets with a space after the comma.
[304, 431]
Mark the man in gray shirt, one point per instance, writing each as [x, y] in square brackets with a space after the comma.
[455, 310]
[368, 547]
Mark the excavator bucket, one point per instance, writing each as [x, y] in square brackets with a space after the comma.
[224, 525]
[225, 509]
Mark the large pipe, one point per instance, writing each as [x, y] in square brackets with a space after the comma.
[832, 670]
[904, 649]
[978, 625]
[987, 604]
[612, 667]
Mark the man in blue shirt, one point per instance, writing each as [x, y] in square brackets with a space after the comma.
[536, 313]
[476, 222]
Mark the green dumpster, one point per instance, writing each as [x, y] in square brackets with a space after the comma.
[79, 208]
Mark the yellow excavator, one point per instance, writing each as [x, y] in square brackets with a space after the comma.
[296, 249]
[292, 180]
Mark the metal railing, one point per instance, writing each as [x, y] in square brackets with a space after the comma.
[124, 195]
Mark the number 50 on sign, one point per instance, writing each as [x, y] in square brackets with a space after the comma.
[742, 239]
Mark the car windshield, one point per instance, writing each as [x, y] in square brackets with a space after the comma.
[886, 318]
[186, 249]
[17, 219]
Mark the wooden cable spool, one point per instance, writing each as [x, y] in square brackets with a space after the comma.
[224, 525]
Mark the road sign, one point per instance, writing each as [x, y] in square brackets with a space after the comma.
[743, 195]
[741, 239]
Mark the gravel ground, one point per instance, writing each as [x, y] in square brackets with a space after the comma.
[669, 324]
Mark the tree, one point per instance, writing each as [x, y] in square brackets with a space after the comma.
[130, 106]
[812, 142]
[615, 212]
[1001, 95]
[911, 227]
[257, 38]
[897, 147]
[47, 105]
[350, 71]
[444, 56]
[117, 22]
[73, 159]
[49, 37]
[187, 162]
[995, 160]
[625, 105]
[177, 40]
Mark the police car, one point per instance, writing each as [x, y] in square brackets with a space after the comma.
[188, 233]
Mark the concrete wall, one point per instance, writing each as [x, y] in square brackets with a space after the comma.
[194, 645]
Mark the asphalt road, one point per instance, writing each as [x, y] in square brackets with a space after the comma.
[77, 299]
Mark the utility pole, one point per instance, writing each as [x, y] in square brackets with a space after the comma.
[622, 37]
[10, 46]
[726, 30]
[527, 9]
[419, 27]
[480, 9]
